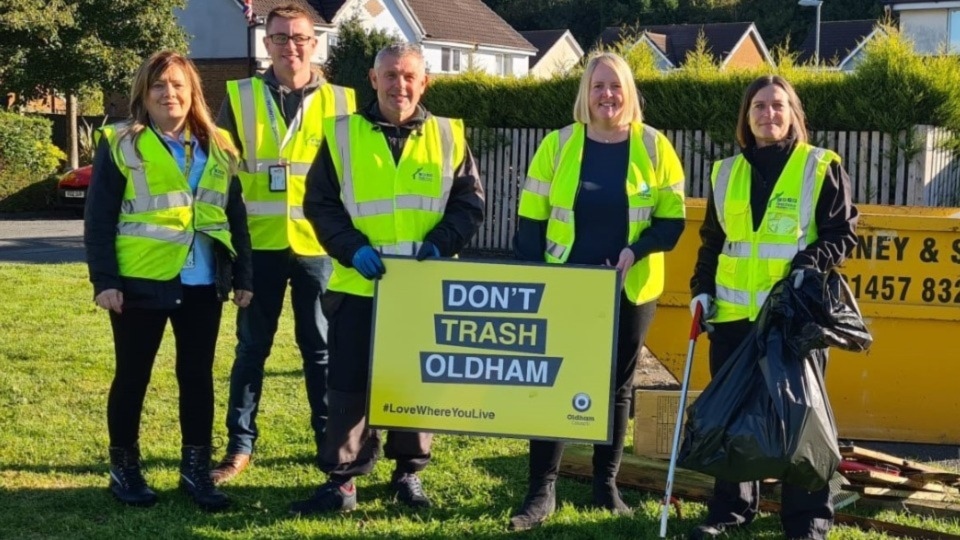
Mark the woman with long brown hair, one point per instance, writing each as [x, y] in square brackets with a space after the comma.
[166, 239]
[780, 207]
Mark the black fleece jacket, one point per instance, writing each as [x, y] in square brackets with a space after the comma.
[835, 215]
[101, 216]
[324, 208]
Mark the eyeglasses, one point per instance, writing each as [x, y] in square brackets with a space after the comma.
[282, 39]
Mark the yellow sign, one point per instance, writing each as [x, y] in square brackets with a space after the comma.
[490, 348]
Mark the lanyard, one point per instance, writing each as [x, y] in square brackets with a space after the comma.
[275, 125]
[187, 153]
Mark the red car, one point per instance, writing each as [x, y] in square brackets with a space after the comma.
[72, 188]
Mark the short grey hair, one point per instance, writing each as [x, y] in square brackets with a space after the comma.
[399, 50]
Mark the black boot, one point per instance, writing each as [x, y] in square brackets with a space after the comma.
[540, 502]
[606, 495]
[126, 480]
[195, 479]
[606, 459]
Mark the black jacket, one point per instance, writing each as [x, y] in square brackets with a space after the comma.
[835, 216]
[324, 208]
[101, 216]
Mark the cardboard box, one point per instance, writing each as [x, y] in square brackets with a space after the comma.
[655, 414]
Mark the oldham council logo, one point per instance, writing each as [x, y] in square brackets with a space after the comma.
[582, 402]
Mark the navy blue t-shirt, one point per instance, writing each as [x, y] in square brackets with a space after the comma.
[600, 210]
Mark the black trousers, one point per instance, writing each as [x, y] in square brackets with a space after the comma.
[804, 514]
[137, 334]
[545, 456]
[349, 448]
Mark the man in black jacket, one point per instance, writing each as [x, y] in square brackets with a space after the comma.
[388, 152]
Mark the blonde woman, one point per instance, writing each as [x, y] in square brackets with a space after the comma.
[624, 183]
[166, 240]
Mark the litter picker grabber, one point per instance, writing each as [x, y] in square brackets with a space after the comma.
[694, 333]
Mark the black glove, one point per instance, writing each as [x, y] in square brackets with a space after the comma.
[367, 261]
[428, 251]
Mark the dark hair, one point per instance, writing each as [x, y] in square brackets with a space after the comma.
[289, 11]
[798, 121]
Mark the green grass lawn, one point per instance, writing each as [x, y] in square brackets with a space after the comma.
[56, 363]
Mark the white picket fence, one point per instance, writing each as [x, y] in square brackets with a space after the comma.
[911, 169]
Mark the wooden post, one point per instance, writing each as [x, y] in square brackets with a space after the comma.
[73, 149]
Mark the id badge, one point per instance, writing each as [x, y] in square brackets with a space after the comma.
[278, 177]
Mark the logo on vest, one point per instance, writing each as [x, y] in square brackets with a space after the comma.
[644, 189]
[424, 176]
[217, 172]
[779, 202]
[315, 141]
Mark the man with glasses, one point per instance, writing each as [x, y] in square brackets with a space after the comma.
[277, 121]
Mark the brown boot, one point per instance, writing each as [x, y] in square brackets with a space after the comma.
[231, 466]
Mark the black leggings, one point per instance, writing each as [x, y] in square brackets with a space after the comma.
[545, 455]
[136, 338]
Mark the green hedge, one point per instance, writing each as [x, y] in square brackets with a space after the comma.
[27, 160]
[25, 144]
[892, 89]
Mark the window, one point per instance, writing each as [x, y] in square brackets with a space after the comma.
[504, 65]
[332, 40]
[449, 59]
[953, 31]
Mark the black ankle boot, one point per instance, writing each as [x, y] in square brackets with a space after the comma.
[606, 495]
[540, 502]
[126, 480]
[195, 479]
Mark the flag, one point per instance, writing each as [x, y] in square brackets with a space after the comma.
[248, 12]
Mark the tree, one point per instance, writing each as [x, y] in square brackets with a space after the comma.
[350, 60]
[66, 45]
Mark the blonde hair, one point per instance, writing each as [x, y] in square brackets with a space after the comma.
[798, 120]
[631, 98]
[199, 119]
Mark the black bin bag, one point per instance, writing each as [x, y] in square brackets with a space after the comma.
[766, 413]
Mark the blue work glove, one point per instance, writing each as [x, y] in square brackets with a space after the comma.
[367, 261]
[428, 251]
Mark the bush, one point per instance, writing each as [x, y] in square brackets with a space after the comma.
[891, 90]
[22, 192]
[25, 145]
[350, 61]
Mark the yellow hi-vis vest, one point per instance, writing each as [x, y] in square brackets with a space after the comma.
[753, 261]
[654, 186]
[393, 204]
[159, 213]
[275, 218]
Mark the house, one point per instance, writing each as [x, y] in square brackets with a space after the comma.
[456, 35]
[842, 43]
[224, 47]
[557, 52]
[932, 25]
[733, 45]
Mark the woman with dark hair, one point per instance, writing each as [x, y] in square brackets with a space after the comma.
[166, 239]
[623, 181]
[778, 208]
